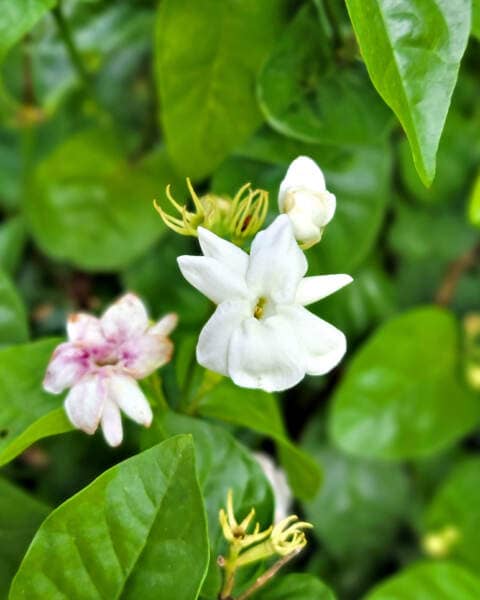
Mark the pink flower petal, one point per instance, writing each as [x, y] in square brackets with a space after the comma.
[68, 365]
[85, 329]
[84, 403]
[112, 423]
[125, 319]
[165, 326]
[126, 392]
[141, 356]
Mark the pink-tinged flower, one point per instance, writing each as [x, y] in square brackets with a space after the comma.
[101, 362]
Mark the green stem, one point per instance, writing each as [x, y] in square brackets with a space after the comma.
[68, 40]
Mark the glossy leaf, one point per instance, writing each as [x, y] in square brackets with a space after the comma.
[259, 411]
[456, 505]
[207, 56]
[139, 530]
[20, 517]
[412, 51]
[429, 581]
[294, 587]
[395, 401]
[474, 204]
[18, 18]
[360, 505]
[12, 241]
[305, 95]
[25, 408]
[13, 317]
[359, 178]
[222, 464]
[88, 206]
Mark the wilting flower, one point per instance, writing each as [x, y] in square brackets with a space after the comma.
[304, 197]
[282, 494]
[101, 362]
[261, 335]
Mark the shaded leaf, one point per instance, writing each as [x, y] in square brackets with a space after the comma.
[294, 587]
[88, 206]
[304, 94]
[13, 317]
[20, 516]
[259, 411]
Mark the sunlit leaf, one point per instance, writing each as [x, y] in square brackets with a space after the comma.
[207, 56]
[139, 530]
[395, 400]
[412, 51]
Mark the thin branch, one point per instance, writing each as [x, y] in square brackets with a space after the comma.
[269, 573]
[455, 271]
[69, 42]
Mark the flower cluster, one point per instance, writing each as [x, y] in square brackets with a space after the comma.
[101, 362]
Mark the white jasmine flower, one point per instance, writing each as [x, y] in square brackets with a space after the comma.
[304, 197]
[282, 494]
[260, 334]
[101, 362]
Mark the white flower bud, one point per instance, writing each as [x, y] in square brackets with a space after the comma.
[304, 197]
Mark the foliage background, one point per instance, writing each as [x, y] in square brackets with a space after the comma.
[105, 103]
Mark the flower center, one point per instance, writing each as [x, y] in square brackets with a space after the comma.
[259, 309]
[109, 360]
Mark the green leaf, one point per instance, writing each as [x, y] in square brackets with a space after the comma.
[294, 587]
[412, 51]
[429, 581]
[360, 506]
[456, 505]
[20, 516]
[138, 530]
[13, 317]
[305, 95]
[476, 18]
[259, 411]
[395, 401]
[207, 56]
[27, 413]
[88, 206]
[222, 464]
[12, 242]
[474, 204]
[54, 422]
[18, 18]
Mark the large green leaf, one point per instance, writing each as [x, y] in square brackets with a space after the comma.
[429, 581]
[222, 464]
[18, 18]
[207, 55]
[474, 204]
[88, 206]
[396, 400]
[139, 530]
[360, 505]
[13, 317]
[295, 586]
[27, 413]
[412, 51]
[259, 411]
[304, 94]
[456, 505]
[20, 516]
